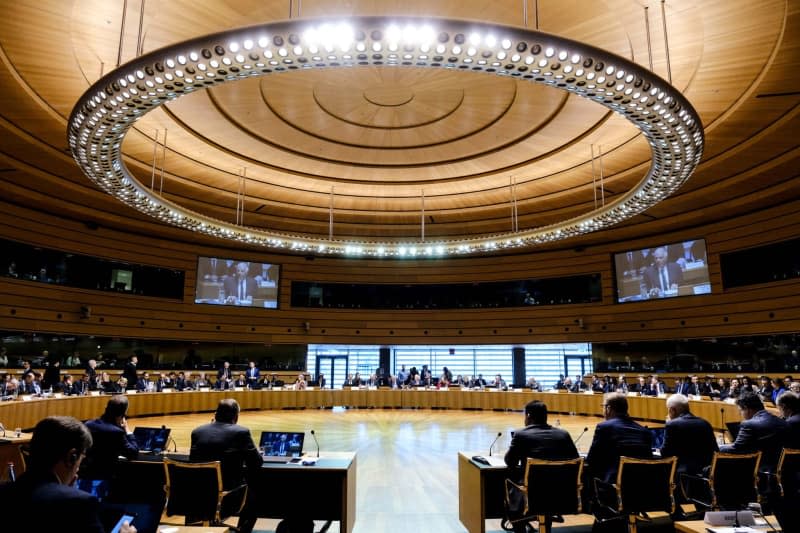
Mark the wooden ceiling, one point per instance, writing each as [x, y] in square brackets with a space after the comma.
[373, 141]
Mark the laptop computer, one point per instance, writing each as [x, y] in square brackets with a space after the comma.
[281, 446]
[151, 440]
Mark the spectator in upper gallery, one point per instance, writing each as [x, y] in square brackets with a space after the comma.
[43, 498]
[789, 406]
[759, 431]
[663, 277]
[691, 439]
[3, 357]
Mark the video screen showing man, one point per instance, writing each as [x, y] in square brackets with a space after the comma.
[662, 277]
[229, 282]
[664, 271]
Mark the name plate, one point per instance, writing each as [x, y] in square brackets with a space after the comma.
[93, 393]
[167, 390]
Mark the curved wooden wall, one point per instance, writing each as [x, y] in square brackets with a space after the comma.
[30, 306]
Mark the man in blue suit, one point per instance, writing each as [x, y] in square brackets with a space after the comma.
[689, 438]
[760, 431]
[619, 435]
[253, 376]
[112, 439]
[43, 498]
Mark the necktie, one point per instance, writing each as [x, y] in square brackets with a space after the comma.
[242, 291]
[664, 282]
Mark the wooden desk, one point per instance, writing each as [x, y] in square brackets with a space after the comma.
[324, 491]
[699, 526]
[10, 453]
[481, 490]
[25, 414]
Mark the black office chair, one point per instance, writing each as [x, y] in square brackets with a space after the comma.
[195, 491]
[551, 488]
[138, 482]
[643, 486]
[787, 506]
[731, 484]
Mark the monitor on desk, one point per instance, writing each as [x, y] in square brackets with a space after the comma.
[662, 271]
[151, 439]
[657, 435]
[287, 444]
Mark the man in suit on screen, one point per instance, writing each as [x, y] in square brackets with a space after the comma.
[663, 277]
[239, 289]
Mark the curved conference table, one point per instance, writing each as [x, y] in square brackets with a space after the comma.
[27, 412]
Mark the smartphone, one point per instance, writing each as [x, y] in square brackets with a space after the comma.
[125, 518]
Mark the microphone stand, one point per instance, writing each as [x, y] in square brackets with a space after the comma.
[499, 434]
[581, 436]
[722, 431]
[315, 441]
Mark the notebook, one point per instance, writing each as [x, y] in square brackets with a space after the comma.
[281, 446]
[151, 439]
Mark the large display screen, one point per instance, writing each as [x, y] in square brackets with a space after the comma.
[665, 271]
[234, 282]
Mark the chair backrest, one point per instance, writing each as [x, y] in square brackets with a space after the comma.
[734, 480]
[138, 482]
[193, 489]
[554, 487]
[788, 472]
[646, 485]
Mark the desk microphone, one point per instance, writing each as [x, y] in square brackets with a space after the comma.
[722, 431]
[499, 434]
[575, 442]
[315, 441]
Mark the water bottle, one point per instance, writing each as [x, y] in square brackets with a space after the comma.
[12, 473]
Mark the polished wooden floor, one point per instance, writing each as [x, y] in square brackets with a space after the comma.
[407, 469]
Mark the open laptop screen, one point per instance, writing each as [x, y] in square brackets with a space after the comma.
[149, 439]
[281, 444]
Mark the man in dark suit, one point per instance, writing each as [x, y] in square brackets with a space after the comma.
[687, 437]
[239, 289]
[226, 441]
[662, 276]
[253, 376]
[760, 431]
[619, 435]
[112, 439]
[789, 405]
[224, 377]
[537, 440]
[43, 498]
[129, 372]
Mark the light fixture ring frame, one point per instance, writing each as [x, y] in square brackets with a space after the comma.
[109, 108]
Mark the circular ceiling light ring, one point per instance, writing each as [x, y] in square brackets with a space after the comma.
[104, 114]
